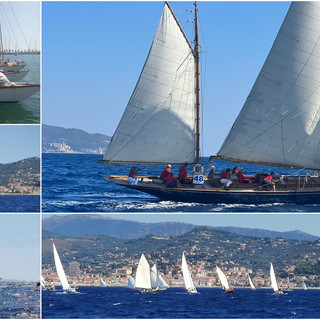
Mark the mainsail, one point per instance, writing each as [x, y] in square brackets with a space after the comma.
[273, 279]
[143, 274]
[223, 279]
[188, 283]
[158, 124]
[60, 271]
[279, 122]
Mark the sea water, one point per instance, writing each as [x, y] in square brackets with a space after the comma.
[19, 300]
[75, 183]
[173, 303]
[19, 203]
[26, 111]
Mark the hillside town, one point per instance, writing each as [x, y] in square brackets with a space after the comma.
[202, 277]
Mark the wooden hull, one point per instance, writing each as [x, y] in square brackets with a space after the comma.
[204, 194]
[18, 93]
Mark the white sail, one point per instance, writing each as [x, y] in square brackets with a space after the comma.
[154, 277]
[102, 283]
[158, 125]
[251, 283]
[279, 122]
[130, 283]
[162, 283]
[273, 279]
[188, 283]
[60, 271]
[304, 286]
[143, 274]
[223, 279]
[42, 282]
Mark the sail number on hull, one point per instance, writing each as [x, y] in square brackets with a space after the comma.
[198, 178]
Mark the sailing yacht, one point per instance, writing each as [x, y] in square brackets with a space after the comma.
[251, 283]
[273, 280]
[102, 283]
[157, 280]
[142, 280]
[62, 276]
[188, 283]
[277, 126]
[224, 281]
[130, 283]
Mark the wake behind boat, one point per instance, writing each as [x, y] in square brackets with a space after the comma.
[277, 126]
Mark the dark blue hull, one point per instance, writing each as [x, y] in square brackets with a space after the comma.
[231, 197]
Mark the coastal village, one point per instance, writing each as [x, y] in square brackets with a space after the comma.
[202, 277]
[22, 177]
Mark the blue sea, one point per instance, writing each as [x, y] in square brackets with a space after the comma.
[19, 300]
[174, 303]
[75, 183]
[19, 203]
[27, 111]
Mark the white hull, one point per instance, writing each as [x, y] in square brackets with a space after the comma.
[19, 92]
[15, 76]
[11, 68]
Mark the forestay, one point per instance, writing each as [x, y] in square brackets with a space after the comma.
[279, 122]
[158, 125]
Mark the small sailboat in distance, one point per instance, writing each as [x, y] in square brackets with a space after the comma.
[304, 286]
[102, 283]
[62, 276]
[251, 283]
[273, 280]
[188, 283]
[130, 283]
[224, 281]
[142, 280]
[157, 280]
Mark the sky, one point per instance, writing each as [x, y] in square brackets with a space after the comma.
[20, 24]
[94, 52]
[19, 142]
[308, 223]
[20, 246]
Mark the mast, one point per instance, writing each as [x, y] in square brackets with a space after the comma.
[197, 59]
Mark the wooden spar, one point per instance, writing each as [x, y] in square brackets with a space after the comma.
[135, 162]
[197, 58]
[261, 163]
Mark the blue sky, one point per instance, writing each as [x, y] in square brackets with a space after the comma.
[20, 23]
[93, 53]
[19, 142]
[20, 246]
[308, 223]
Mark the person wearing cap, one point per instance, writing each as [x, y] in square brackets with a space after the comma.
[132, 176]
[267, 183]
[165, 173]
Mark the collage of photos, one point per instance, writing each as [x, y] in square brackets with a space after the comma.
[160, 160]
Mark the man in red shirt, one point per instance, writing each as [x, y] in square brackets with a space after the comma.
[268, 184]
[171, 181]
[225, 179]
[165, 173]
[183, 173]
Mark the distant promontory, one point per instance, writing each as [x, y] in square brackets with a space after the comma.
[62, 140]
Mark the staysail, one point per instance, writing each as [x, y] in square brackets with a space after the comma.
[143, 274]
[158, 124]
[130, 283]
[102, 283]
[279, 122]
[188, 283]
[60, 271]
[273, 279]
[154, 277]
[223, 279]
